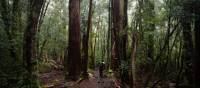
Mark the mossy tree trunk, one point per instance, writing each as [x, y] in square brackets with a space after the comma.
[29, 46]
[86, 41]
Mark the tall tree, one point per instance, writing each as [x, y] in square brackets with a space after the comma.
[125, 76]
[125, 28]
[86, 41]
[29, 46]
[196, 61]
[150, 26]
[118, 32]
[74, 54]
[113, 54]
[187, 54]
[109, 32]
[133, 62]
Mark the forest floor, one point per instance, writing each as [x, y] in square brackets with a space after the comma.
[55, 79]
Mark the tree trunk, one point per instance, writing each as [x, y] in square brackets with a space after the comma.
[113, 54]
[29, 47]
[118, 31]
[109, 48]
[74, 55]
[93, 49]
[125, 28]
[133, 61]
[85, 42]
[196, 61]
[187, 54]
[125, 77]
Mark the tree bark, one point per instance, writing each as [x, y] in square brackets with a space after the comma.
[188, 52]
[125, 76]
[29, 46]
[113, 48]
[196, 62]
[85, 42]
[74, 55]
[133, 62]
[109, 48]
[125, 28]
[93, 49]
[118, 31]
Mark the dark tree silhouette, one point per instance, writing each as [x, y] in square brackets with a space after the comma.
[29, 46]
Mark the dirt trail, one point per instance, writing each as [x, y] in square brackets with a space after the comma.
[55, 79]
[96, 82]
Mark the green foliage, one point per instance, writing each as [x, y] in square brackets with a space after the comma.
[150, 20]
[52, 36]
[11, 69]
[125, 66]
[44, 67]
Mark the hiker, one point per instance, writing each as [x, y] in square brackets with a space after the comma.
[101, 68]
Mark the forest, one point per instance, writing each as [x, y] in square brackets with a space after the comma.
[99, 43]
